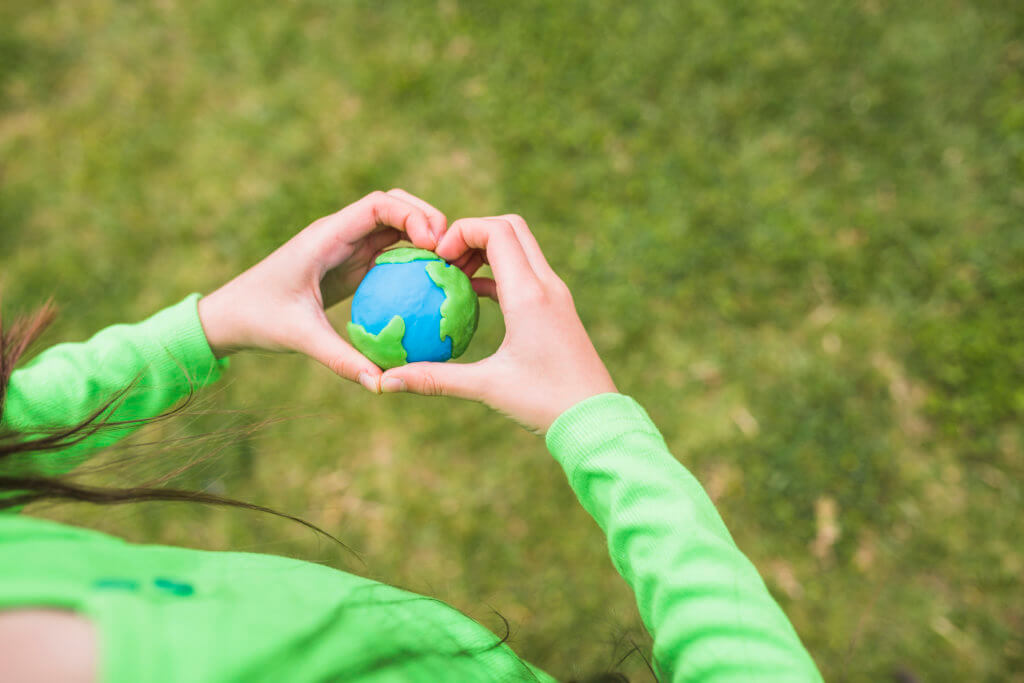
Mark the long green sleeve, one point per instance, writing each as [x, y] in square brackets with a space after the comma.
[178, 614]
[161, 358]
[707, 608]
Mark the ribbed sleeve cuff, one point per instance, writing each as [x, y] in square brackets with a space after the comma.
[593, 423]
[176, 342]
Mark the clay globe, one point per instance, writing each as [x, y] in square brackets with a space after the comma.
[413, 306]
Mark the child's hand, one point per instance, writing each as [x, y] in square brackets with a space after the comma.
[278, 304]
[546, 364]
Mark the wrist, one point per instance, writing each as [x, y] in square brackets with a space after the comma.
[592, 424]
[598, 382]
[216, 321]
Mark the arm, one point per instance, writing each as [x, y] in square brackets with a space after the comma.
[710, 613]
[161, 359]
[277, 305]
[703, 602]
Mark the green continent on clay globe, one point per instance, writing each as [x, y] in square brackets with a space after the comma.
[413, 306]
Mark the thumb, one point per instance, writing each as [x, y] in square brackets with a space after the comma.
[462, 380]
[322, 343]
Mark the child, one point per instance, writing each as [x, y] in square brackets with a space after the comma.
[80, 605]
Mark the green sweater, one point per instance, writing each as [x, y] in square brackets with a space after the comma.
[177, 614]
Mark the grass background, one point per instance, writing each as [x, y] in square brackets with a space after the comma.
[792, 229]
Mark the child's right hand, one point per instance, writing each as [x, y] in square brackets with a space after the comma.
[546, 363]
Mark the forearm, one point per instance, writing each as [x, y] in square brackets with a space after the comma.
[707, 608]
[144, 368]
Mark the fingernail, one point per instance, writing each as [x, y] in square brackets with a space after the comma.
[368, 381]
[390, 385]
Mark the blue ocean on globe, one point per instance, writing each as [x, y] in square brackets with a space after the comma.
[404, 289]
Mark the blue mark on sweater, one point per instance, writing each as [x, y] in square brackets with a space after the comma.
[116, 584]
[176, 588]
[173, 587]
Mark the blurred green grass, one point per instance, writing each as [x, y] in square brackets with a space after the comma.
[794, 231]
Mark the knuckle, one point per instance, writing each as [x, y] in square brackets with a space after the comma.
[505, 230]
[556, 286]
[469, 231]
[377, 196]
[341, 367]
[516, 220]
[532, 297]
[562, 293]
[429, 386]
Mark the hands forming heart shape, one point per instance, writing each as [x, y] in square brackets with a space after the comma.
[545, 364]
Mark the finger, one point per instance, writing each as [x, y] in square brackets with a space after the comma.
[338, 232]
[322, 343]
[516, 280]
[378, 241]
[438, 221]
[436, 379]
[485, 286]
[469, 262]
[463, 260]
[475, 262]
[336, 284]
[386, 209]
[533, 251]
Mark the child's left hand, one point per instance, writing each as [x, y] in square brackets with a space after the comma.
[279, 304]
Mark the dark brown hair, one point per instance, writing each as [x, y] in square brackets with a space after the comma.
[20, 485]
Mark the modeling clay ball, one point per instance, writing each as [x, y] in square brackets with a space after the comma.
[412, 306]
